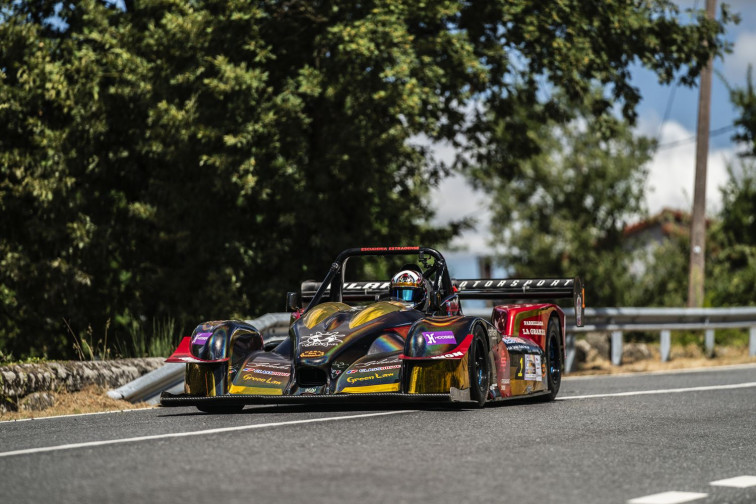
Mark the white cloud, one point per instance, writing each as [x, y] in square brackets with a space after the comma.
[672, 172]
[736, 64]
[454, 199]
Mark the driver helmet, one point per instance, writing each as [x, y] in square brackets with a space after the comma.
[410, 287]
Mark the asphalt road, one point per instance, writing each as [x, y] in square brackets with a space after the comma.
[590, 446]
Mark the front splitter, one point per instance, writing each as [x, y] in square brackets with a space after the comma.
[168, 399]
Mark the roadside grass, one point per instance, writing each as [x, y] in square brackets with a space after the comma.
[92, 399]
[688, 356]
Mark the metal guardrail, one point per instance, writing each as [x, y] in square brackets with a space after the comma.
[273, 326]
[616, 321]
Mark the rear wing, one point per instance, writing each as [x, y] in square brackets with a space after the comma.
[350, 291]
[525, 288]
[482, 288]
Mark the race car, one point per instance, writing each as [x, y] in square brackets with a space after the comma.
[406, 339]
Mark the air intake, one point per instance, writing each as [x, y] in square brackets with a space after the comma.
[311, 376]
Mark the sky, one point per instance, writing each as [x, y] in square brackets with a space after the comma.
[668, 113]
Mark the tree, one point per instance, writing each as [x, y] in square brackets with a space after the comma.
[563, 212]
[198, 159]
[744, 100]
[733, 273]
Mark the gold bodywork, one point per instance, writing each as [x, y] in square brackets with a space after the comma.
[438, 376]
[206, 379]
[321, 312]
[372, 312]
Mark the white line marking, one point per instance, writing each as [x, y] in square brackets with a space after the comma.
[662, 391]
[739, 482]
[729, 367]
[668, 498]
[193, 433]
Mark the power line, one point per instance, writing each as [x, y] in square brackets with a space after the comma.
[684, 141]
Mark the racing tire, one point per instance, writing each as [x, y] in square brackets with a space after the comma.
[220, 409]
[478, 368]
[553, 359]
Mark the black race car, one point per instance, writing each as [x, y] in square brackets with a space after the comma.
[401, 340]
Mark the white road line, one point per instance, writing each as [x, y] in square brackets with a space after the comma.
[662, 391]
[193, 433]
[738, 482]
[668, 498]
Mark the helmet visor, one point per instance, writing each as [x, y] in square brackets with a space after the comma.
[409, 294]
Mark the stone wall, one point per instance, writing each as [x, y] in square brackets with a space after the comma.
[20, 380]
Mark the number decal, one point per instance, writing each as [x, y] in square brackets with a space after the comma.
[519, 368]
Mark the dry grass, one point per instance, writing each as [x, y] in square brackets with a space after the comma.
[688, 357]
[90, 400]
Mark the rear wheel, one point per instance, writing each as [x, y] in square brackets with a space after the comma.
[478, 367]
[553, 359]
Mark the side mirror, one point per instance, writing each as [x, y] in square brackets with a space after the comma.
[292, 301]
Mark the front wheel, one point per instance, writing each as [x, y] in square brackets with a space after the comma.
[478, 367]
[553, 359]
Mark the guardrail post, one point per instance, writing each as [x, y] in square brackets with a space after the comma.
[616, 347]
[752, 341]
[666, 344]
[709, 342]
[570, 360]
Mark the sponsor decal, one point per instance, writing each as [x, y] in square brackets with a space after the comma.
[525, 331]
[257, 379]
[537, 322]
[543, 369]
[381, 362]
[268, 372]
[339, 365]
[321, 339]
[311, 354]
[455, 355]
[524, 284]
[201, 337]
[533, 367]
[268, 365]
[371, 370]
[439, 338]
[386, 249]
[335, 373]
[519, 345]
[374, 376]
[366, 285]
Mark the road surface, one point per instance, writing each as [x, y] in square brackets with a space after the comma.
[651, 438]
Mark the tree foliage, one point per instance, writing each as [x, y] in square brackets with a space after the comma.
[564, 211]
[196, 159]
[733, 270]
[744, 100]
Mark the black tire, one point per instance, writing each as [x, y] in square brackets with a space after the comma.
[478, 368]
[554, 364]
[220, 409]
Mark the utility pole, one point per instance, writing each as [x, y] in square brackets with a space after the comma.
[698, 224]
